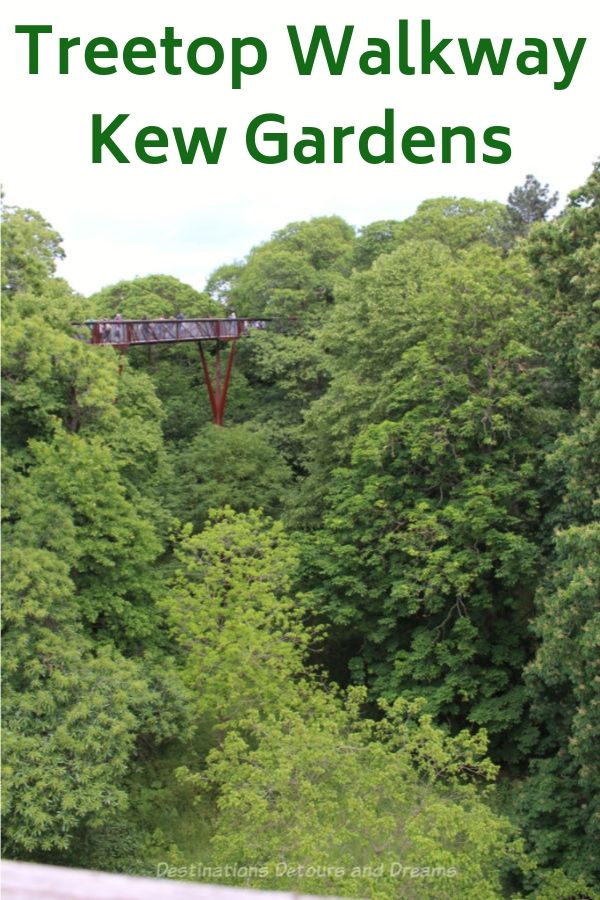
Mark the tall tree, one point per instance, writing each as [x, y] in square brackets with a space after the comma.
[427, 454]
[560, 799]
[232, 612]
[529, 203]
[30, 249]
[153, 296]
[235, 466]
[85, 669]
[294, 273]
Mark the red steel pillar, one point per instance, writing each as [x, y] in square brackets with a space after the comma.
[217, 388]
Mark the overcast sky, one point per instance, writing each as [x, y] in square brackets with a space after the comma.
[119, 221]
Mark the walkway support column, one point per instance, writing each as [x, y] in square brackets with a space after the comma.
[217, 388]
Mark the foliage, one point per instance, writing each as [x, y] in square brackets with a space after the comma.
[82, 633]
[30, 248]
[558, 886]
[69, 725]
[559, 801]
[235, 466]
[285, 373]
[426, 455]
[294, 278]
[320, 788]
[373, 240]
[232, 613]
[455, 222]
[529, 203]
[153, 296]
[406, 493]
[294, 273]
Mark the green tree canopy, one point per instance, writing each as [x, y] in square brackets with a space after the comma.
[529, 203]
[456, 222]
[232, 612]
[294, 273]
[559, 803]
[337, 801]
[427, 472]
[236, 466]
[30, 249]
[153, 296]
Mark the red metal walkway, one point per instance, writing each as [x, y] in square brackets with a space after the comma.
[125, 333]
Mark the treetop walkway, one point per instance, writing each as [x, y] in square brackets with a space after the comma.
[123, 333]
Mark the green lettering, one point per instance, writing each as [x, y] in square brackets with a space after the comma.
[218, 58]
[381, 57]
[462, 131]
[94, 51]
[279, 139]
[339, 134]
[131, 53]
[540, 54]
[489, 137]
[187, 153]
[320, 38]
[431, 54]
[64, 45]
[316, 144]
[170, 43]
[103, 138]
[403, 65]
[485, 49]
[387, 132]
[418, 136]
[238, 68]
[149, 137]
[569, 63]
[34, 32]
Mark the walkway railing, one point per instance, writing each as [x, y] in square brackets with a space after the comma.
[27, 881]
[127, 332]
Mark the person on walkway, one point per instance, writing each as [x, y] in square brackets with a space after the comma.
[105, 330]
[119, 329]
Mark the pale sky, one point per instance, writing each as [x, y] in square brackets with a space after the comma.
[120, 221]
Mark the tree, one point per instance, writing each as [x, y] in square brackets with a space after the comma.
[153, 296]
[375, 239]
[559, 800]
[234, 466]
[292, 277]
[30, 249]
[295, 272]
[319, 799]
[456, 222]
[49, 377]
[427, 484]
[69, 722]
[221, 282]
[72, 501]
[529, 203]
[85, 670]
[232, 613]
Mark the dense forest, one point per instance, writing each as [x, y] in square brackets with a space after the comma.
[356, 629]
